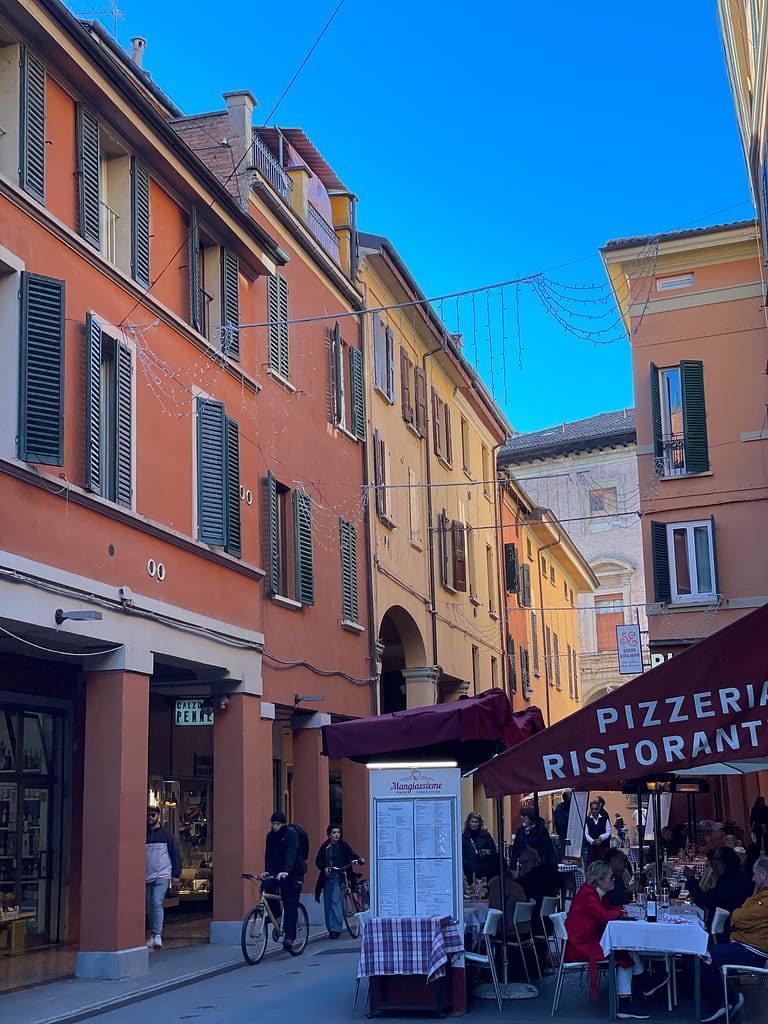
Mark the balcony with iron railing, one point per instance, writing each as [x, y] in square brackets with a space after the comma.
[323, 232]
[269, 167]
[671, 462]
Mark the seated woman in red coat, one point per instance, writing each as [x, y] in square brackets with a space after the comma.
[589, 914]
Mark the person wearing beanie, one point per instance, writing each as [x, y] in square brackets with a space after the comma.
[283, 861]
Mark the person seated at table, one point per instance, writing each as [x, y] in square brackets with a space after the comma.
[538, 880]
[731, 885]
[589, 914]
[748, 946]
[621, 869]
[479, 855]
[672, 841]
[532, 835]
[513, 893]
[734, 843]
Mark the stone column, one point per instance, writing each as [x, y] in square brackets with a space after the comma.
[112, 937]
[242, 802]
[420, 685]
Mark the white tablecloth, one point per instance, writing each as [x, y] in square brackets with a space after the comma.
[656, 937]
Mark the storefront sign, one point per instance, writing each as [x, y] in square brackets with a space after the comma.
[629, 649]
[193, 712]
[203, 766]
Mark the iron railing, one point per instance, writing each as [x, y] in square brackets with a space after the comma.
[671, 462]
[109, 219]
[269, 166]
[323, 232]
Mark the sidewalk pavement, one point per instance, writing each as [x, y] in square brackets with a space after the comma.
[75, 999]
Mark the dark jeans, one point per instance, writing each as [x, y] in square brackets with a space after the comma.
[725, 953]
[291, 893]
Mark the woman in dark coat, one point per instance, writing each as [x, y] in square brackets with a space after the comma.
[758, 822]
[478, 851]
[732, 885]
[532, 835]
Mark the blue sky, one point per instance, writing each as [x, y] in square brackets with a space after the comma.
[488, 143]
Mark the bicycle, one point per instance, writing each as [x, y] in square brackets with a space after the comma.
[268, 911]
[355, 898]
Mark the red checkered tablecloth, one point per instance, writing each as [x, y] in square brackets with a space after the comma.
[408, 945]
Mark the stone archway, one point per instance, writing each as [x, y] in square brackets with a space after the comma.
[403, 657]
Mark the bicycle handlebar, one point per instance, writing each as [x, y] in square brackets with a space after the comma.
[346, 867]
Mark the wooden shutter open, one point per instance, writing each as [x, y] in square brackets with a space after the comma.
[230, 303]
[211, 475]
[305, 563]
[233, 526]
[93, 457]
[123, 426]
[32, 170]
[139, 223]
[658, 439]
[357, 385]
[459, 556]
[273, 535]
[420, 387]
[694, 416]
[511, 579]
[41, 391]
[662, 584]
[348, 548]
[195, 289]
[405, 386]
[89, 172]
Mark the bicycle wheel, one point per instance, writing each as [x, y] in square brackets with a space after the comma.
[349, 910]
[254, 934]
[364, 894]
[302, 930]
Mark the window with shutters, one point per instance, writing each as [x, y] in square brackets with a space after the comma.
[575, 661]
[492, 577]
[684, 562]
[41, 376]
[32, 126]
[569, 661]
[535, 643]
[485, 456]
[525, 673]
[420, 398]
[383, 358]
[511, 664]
[218, 477]
[278, 355]
[407, 403]
[452, 538]
[511, 568]
[475, 669]
[289, 543]
[382, 477]
[466, 463]
[442, 439]
[348, 546]
[415, 511]
[347, 385]
[609, 613]
[471, 565]
[556, 659]
[679, 419]
[109, 435]
[548, 655]
[525, 585]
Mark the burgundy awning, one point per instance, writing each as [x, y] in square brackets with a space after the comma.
[468, 730]
[702, 707]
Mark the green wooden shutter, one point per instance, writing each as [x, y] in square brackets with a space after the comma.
[32, 139]
[658, 441]
[526, 590]
[211, 482]
[694, 416]
[285, 363]
[511, 576]
[93, 457]
[305, 562]
[525, 672]
[139, 223]
[234, 542]
[348, 548]
[277, 315]
[123, 426]
[273, 535]
[662, 585]
[459, 556]
[195, 292]
[357, 384]
[338, 370]
[230, 303]
[89, 172]
[512, 664]
[41, 390]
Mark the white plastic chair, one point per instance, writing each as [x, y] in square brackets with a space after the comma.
[566, 966]
[549, 905]
[739, 970]
[363, 917]
[522, 934]
[486, 959]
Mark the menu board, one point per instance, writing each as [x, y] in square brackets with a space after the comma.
[415, 842]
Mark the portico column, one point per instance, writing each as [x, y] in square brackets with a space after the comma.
[311, 783]
[242, 802]
[114, 820]
[420, 685]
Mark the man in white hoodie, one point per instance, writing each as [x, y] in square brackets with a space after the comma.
[163, 865]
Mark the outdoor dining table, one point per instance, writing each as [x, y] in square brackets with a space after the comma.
[398, 946]
[475, 914]
[676, 933]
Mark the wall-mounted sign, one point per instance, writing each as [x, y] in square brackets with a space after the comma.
[629, 649]
[203, 766]
[193, 712]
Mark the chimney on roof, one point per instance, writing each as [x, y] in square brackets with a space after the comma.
[240, 107]
[138, 45]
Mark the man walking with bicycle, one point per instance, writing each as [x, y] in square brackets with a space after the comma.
[333, 859]
[283, 859]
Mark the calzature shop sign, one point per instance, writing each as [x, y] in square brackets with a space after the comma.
[193, 712]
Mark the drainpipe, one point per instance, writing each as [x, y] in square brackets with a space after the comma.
[373, 633]
[501, 592]
[431, 531]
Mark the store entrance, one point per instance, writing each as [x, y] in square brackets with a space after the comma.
[30, 820]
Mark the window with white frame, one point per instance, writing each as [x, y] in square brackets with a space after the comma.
[684, 562]
[383, 358]
[679, 418]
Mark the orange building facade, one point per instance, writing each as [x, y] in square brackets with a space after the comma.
[183, 594]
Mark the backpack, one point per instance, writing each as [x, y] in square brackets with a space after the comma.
[303, 847]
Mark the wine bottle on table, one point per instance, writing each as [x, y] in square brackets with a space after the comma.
[651, 904]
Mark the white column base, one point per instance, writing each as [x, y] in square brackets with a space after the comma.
[112, 966]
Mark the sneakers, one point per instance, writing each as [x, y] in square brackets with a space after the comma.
[333, 935]
[627, 1010]
[154, 942]
[653, 982]
[737, 1004]
[708, 1016]
[288, 947]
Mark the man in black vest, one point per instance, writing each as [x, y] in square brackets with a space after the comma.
[597, 832]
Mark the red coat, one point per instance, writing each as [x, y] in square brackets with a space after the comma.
[586, 921]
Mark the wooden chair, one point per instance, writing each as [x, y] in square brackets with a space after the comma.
[485, 958]
[567, 966]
